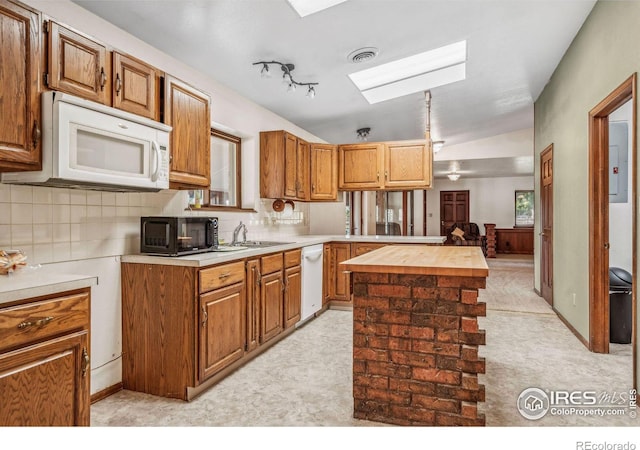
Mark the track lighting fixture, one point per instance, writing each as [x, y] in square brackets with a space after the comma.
[287, 78]
[437, 146]
[363, 133]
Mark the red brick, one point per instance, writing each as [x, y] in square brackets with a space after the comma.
[389, 419]
[375, 303]
[388, 369]
[448, 363]
[447, 336]
[469, 324]
[369, 406]
[418, 387]
[446, 307]
[437, 375]
[413, 280]
[418, 416]
[359, 392]
[446, 419]
[359, 290]
[435, 403]
[385, 395]
[398, 317]
[422, 333]
[470, 382]
[372, 381]
[472, 366]
[371, 328]
[381, 342]
[462, 282]
[359, 314]
[477, 338]
[400, 330]
[449, 281]
[438, 348]
[370, 277]
[477, 310]
[370, 354]
[359, 340]
[469, 352]
[468, 409]
[413, 359]
[359, 366]
[399, 344]
[435, 321]
[458, 393]
[425, 293]
[389, 291]
[469, 297]
[403, 304]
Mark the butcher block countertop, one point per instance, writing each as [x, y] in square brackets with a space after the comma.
[421, 260]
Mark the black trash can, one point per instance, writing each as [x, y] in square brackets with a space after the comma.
[620, 314]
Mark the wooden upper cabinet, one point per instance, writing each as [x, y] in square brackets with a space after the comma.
[187, 110]
[284, 166]
[407, 165]
[20, 126]
[385, 165]
[360, 166]
[136, 86]
[78, 65]
[324, 172]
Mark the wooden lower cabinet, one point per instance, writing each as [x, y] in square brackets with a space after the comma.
[222, 334]
[338, 283]
[514, 240]
[292, 295]
[44, 361]
[271, 323]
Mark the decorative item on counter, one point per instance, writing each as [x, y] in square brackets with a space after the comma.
[11, 260]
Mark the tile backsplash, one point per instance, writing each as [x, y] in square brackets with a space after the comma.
[58, 224]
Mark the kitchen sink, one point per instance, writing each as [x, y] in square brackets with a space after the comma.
[260, 244]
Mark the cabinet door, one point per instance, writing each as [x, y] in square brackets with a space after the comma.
[187, 111]
[292, 296]
[327, 278]
[302, 161]
[253, 304]
[407, 165]
[46, 384]
[271, 315]
[290, 166]
[339, 281]
[360, 166]
[222, 331]
[20, 125]
[135, 87]
[78, 65]
[324, 172]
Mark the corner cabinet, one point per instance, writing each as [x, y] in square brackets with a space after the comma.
[20, 74]
[44, 361]
[397, 165]
[187, 110]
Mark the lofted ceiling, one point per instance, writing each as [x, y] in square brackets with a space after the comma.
[513, 47]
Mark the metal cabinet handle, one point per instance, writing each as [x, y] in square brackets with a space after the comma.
[103, 78]
[386, 175]
[118, 84]
[25, 324]
[36, 133]
[378, 176]
[85, 362]
[223, 276]
[38, 323]
[44, 321]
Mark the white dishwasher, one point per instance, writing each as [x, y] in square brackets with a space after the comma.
[311, 281]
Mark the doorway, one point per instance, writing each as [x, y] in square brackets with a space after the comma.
[599, 245]
[546, 233]
[454, 207]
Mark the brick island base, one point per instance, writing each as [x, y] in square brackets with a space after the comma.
[415, 348]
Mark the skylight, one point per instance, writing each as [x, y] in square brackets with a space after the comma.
[306, 7]
[412, 74]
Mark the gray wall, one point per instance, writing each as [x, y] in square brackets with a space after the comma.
[602, 56]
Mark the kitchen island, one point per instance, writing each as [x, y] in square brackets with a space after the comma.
[416, 335]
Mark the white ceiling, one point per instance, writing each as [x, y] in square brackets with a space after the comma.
[513, 46]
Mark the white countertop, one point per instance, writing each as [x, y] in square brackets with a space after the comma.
[289, 243]
[31, 282]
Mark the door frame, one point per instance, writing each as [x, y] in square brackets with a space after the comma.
[548, 149]
[599, 215]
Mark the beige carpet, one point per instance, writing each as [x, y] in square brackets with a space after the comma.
[305, 380]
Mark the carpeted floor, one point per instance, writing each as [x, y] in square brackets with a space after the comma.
[305, 380]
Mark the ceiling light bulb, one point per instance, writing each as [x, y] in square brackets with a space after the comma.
[453, 176]
[265, 72]
[437, 146]
[311, 92]
[291, 87]
[286, 79]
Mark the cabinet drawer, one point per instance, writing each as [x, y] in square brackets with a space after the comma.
[292, 258]
[31, 322]
[271, 263]
[220, 276]
[361, 248]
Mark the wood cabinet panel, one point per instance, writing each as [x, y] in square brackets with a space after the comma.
[46, 384]
[407, 165]
[360, 166]
[271, 291]
[339, 282]
[302, 171]
[360, 248]
[187, 110]
[32, 322]
[220, 276]
[253, 304]
[324, 172]
[20, 74]
[292, 296]
[78, 65]
[514, 240]
[271, 263]
[222, 334]
[135, 87]
[292, 258]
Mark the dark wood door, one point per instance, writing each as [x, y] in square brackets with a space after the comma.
[271, 306]
[20, 126]
[454, 207]
[546, 225]
[135, 86]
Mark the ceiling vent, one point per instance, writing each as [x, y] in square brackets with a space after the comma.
[363, 54]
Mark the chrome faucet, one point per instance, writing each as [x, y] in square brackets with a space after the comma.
[243, 227]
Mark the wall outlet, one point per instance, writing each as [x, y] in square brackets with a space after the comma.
[573, 297]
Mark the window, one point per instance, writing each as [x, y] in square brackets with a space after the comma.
[224, 191]
[524, 208]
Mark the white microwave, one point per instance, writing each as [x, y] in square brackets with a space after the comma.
[91, 146]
